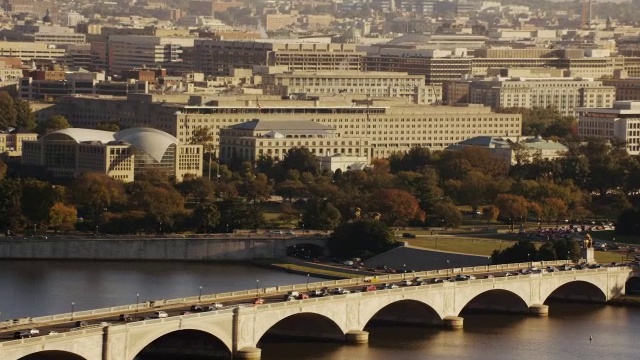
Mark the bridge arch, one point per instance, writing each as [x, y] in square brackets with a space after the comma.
[632, 286]
[416, 300]
[53, 355]
[577, 290]
[303, 325]
[407, 312]
[496, 300]
[152, 334]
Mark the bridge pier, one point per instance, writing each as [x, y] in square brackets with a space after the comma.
[539, 310]
[453, 322]
[357, 337]
[248, 353]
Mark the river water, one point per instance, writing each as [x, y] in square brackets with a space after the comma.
[46, 287]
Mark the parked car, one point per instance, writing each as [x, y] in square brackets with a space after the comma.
[159, 315]
[408, 235]
[125, 318]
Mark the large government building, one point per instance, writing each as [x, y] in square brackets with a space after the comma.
[390, 126]
[620, 122]
[121, 155]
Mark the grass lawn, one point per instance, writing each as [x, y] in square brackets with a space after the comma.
[460, 244]
[609, 257]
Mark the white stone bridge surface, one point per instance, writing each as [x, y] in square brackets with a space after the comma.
[238, 330]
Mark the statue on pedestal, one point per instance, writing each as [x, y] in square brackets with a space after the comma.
[588, 242]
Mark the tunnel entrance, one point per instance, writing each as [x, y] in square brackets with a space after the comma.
[496, 301]
[185, 345]
[53, 355]
[305, 251]
[577, 291]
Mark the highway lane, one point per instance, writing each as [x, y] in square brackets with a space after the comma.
[71, 324]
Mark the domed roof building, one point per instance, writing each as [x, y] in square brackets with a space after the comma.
[121, 155]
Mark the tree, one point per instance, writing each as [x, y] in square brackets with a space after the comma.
[25, 118]
[361, 237]
[397, 207]
[206, 216]
[629, 223]
[94, 193]
[62, 217]
[256, 188]
[3, 169]
[197, 190]
[511, 207]
[162, 204]
[522, 251]
[490, 213]
[547, 252]
[553, 209]
[448, 214]
[320, 214]
[112, 126]
[11, 217]
[55, 122]
[8, 113]
[37, 199]
[301, 159]
[201, 136]
[235, 213]
[290, 189]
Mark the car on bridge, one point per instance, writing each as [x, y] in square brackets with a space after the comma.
[258, 301]
[125, 318]
[26, 333]
[159, 315]
[214, 306]
[369, 288]
[196, 308]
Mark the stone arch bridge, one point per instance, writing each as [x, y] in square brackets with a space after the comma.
[238, 330]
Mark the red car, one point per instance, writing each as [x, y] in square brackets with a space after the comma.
[369, 288]
[258, 301]
[303, 296]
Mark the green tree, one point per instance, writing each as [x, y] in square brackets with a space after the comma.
[112, 126]
[55, 122]
[300, 159]
[25, 118]
[197, 190]
[162, 205]
[320, 214]
[8, 114]
[553, 209]
[547, 252]
[11, 217]
[361, 237]
[447, 214]
[522, 251]
[201, 136]
[206, 216]
[37, 199]
[235, 213]
[490, 213]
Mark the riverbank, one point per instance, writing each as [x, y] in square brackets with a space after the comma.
[284, 265]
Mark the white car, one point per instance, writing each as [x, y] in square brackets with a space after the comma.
[406, 283]
[159, 315]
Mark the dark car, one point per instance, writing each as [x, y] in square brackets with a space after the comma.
[125, 318]
[408, 235]
[196, 308]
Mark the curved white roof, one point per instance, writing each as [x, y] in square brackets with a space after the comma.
[151, 141]
[81, 135]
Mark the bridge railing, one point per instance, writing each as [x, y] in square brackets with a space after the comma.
[63, 335]
[205, 298]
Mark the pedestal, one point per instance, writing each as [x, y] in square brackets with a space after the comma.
[539, 310]
[588, 254]
[453, 322]
[248, 353]
[357, 337]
